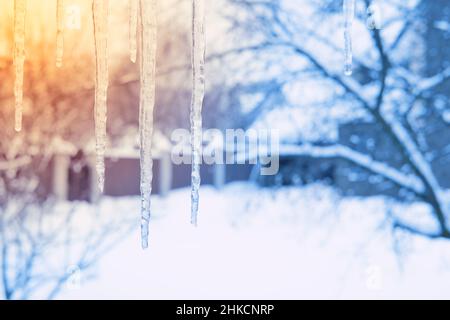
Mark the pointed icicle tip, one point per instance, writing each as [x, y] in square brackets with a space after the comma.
[348, 71]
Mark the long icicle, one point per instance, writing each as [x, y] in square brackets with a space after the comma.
[100, 10]
[20, 8]
[349, 15]
[134, 12]
[60, 15]
[147, 105]
[198, 93]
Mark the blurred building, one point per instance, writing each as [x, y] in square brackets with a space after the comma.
[71, 174]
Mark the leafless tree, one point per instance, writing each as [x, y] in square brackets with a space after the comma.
[291, 42]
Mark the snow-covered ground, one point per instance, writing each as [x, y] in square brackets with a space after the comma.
[252, 243]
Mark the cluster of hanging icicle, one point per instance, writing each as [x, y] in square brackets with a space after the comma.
[142, 17]
[148, 38]
[145, 12]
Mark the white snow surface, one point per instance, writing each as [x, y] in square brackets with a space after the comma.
[252, 243]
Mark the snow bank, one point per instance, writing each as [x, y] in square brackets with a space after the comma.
[256, 243]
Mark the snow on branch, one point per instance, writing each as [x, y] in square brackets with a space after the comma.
[422, 167]
[339, 151]
[413, 152]
[432, 82]
[398, 224]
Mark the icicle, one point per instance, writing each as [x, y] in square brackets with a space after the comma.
[60, 11]
[134, 11]
[349, 15]
[147, 104]
[198, 93]
[100, 12]
[20, 8]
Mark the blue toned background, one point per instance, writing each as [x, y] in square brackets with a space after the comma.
[359, 207]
